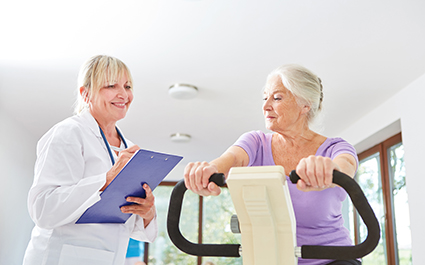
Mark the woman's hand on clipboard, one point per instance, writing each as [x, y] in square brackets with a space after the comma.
[144, 208]
[122, 160]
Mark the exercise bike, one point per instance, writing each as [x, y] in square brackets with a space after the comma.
[265, 218]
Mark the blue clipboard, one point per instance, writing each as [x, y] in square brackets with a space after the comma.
[144, 167]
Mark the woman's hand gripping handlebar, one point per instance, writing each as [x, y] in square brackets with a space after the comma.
[173, 221]
[364, 209]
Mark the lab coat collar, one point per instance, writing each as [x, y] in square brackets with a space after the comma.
[91, 122]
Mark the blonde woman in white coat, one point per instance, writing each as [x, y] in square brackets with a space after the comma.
[76, 161]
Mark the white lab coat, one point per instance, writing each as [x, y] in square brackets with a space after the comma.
[71, 166]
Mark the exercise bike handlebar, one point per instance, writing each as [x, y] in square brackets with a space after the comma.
[307, 251]
[365, 211]
[173, 221]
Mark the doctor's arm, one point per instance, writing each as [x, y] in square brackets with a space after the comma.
[60, 192]
[145, 208]
[123, 157]
[146, 227]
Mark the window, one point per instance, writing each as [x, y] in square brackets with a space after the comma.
[381, 175]
[203, 220]
[217, 212]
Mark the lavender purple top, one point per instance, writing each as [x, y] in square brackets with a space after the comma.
[318, 213]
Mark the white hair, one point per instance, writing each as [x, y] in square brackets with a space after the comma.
[304, 85]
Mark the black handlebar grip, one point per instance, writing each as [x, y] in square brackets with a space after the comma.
[293, 176]
[218, 178]
[173, 221]
[365, 211]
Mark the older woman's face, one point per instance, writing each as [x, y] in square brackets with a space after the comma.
[281, 110]
[112, 101]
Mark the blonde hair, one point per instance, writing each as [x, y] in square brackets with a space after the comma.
[303, 84]
[95, 73]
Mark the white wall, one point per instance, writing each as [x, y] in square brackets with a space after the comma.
[17, 156]
[405, 111]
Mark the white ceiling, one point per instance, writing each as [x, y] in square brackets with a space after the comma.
[364, 51]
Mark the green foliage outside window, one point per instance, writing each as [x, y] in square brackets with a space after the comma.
[162, 251]
[401, 209]
[370, 182]
[216, 217]
[216, 227]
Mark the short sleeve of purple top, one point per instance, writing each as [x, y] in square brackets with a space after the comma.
[318, 213]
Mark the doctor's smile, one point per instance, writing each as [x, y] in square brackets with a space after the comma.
[120, 105]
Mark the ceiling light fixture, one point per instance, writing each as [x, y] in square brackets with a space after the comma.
[180, 138]
[183, 91]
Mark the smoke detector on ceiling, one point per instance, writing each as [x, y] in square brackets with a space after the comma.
[183, 91]
[180, 138]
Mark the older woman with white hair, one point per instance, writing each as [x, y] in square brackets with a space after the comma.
[76, 160]
[292, 99]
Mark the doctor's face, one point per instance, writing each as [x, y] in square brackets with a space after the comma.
[112, 101]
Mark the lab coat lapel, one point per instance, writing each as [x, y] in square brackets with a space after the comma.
[91, 123]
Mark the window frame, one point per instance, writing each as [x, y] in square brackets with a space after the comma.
[382, 148]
